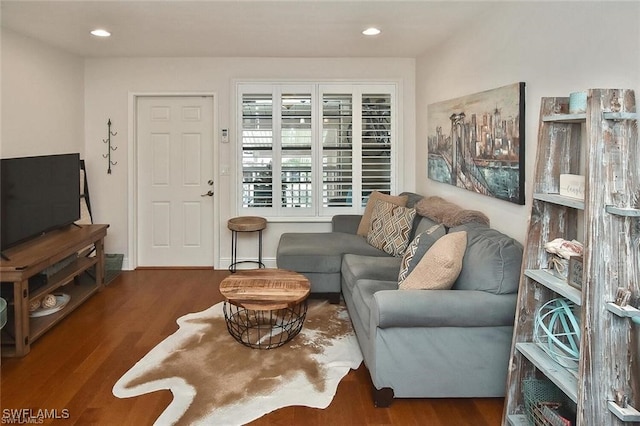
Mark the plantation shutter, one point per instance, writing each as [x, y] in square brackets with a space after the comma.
[257, 150]
[376, 143]
[337, 150]
[296, 152]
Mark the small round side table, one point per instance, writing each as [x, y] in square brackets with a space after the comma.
[245, 224]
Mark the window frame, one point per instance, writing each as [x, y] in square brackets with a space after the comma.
[317, 89]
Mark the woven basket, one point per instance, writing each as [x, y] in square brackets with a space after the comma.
[541, 399]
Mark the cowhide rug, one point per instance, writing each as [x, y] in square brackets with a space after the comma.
[216, 380]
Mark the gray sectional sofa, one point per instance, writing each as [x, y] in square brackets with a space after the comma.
[418, 343]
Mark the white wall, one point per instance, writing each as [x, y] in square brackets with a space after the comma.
[42, 98]
[109, 83]
[554, 47]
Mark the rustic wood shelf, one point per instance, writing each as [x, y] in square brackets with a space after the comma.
[555, 372]
[560, 200]
[623, 311]
[518, 420]
[626, 414]
[581, 118]
[623, 211]
[553, 283]
[600, 145]
[619, 116]
[565, 118]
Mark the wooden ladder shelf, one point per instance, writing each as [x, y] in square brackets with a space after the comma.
[602, 145]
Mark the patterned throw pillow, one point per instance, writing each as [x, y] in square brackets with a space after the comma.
[365, 222]
[390, 227]
[418, 247]
[440, 266]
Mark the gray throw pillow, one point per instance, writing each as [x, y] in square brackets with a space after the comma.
[417, 249]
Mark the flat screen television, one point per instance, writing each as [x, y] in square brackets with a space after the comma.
[37, 195]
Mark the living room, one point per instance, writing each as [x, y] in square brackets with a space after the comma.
[57, 101]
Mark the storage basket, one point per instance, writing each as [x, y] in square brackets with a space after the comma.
[112, 266]
[3, 312]
[542, 399]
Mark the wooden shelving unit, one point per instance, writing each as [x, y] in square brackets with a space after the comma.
[606, 386]
[34, 256]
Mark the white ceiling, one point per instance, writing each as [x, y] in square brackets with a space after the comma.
[243, 28]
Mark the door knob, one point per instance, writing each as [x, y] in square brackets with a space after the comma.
[208, 194]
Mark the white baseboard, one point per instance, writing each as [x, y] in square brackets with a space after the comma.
[224, 263]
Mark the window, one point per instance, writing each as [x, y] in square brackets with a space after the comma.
[315, 150]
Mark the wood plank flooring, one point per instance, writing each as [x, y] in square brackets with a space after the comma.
[74, 366]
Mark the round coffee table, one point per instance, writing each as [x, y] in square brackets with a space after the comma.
[265, 308]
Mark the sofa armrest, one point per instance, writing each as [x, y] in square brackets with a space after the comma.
[347, 223]
[442, 308]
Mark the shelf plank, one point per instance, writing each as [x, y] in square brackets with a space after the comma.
[619, 116]
[518, 420]
[627, 414]
[560, 200]
[559, 375]
[553, 283]
[623, 211]
[582, 118]
[623, 311]
[78, 292]
[565, 118]
[64, 276]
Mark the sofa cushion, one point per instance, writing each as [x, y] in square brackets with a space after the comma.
[425, 223]
[390, 227]
[356, 267]
[320, 251]
[416, 250]
[365, 222]
[491, 262]
[440, 266]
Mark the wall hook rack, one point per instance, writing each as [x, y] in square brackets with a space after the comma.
[110, 148]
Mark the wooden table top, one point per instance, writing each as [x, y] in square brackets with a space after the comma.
[247, 223]
[265, 289]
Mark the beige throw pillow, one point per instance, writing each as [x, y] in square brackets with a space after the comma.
[390, 227]
[440, 266]
[417, 249]
[365, 222]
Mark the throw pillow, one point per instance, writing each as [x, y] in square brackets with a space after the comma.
[365, 222]
[440, 266]
[450, 214]
[390, 227]
[417, 249]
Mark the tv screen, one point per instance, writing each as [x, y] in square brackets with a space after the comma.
[37, 194]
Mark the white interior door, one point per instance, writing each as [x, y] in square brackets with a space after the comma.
[175, 181]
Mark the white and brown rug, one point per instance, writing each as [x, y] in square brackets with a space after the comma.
[216, 380]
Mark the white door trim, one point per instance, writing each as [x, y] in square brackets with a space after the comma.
[132, 157]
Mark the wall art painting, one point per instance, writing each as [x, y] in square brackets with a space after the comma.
[476, 142]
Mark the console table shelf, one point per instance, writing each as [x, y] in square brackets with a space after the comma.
[32, 257]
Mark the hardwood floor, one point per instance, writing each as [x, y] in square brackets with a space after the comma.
[74, 366]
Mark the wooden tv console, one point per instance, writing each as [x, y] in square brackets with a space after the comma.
[34, 256]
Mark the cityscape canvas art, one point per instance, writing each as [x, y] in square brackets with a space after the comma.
[476, 142]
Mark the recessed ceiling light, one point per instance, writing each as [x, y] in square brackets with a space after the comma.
[371, 31]
[100, 33]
